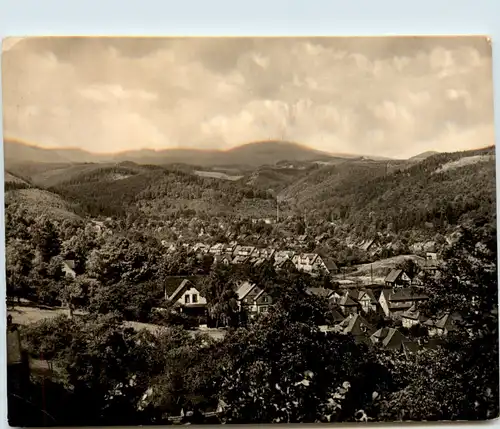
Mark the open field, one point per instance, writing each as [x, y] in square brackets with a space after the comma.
[28, 315]
[216, 175]
[379, 269]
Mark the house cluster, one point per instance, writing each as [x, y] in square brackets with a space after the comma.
[188, 299]
[396, 300]
[364, 332]
[228, 254]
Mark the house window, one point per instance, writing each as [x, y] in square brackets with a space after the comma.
[264, 299]
[195, 298]
[186, 299]
[263, 309]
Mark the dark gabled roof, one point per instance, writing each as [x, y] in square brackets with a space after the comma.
[180, 289]
[373, 286]
[410, 346]
[337, 315]
[353, 294]
[448, 322]
[369, 293]
[283, 262]
[347, 301]
[386, 293]
[319, 291]
[393, 276]
[394, 340]
[262, 292]
[414, 314]
[356, 325]
[330, 264]
[389, 337]
[172, 283]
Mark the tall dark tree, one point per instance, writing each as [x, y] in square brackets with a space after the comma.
[468, 286]
[46, 240]
[18, 264]
[219, 290]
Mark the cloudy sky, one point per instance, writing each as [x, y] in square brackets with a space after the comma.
[380, 96]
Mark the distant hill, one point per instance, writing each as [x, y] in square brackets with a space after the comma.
[10, 178]
[251, 154]
[40, 202]
[271, 152]
[360, 195]
[47, 175]
[447, 188]
[423, 155]
[322, 182]
[15, 152]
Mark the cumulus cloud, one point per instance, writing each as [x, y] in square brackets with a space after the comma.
[384, 96]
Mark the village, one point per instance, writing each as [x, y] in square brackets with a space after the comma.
[394, 299]
[390, 295]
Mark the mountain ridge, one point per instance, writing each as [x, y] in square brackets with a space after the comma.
[252, 153]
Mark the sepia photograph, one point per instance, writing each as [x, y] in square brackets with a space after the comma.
[249, 230]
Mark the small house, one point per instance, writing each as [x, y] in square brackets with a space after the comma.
[330, 266]
[267, 253]
[240, 260]
[253, 299]
[68, 267]
[189, 299]
[335, 297]
[312, 263]
[412, 317]
[442, 326]
[217, 249]
[357, 326]
[244, 251]
[397, 278]
[229, 248]
[367, 300]
[395, 303]
[389, 338]
[348, 303]
[222, 259]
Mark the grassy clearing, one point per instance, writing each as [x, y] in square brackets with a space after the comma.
[379, 269]
[217, 175]
[27, 315]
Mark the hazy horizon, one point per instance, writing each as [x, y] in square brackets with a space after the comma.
[394, 97]
[56, 148]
